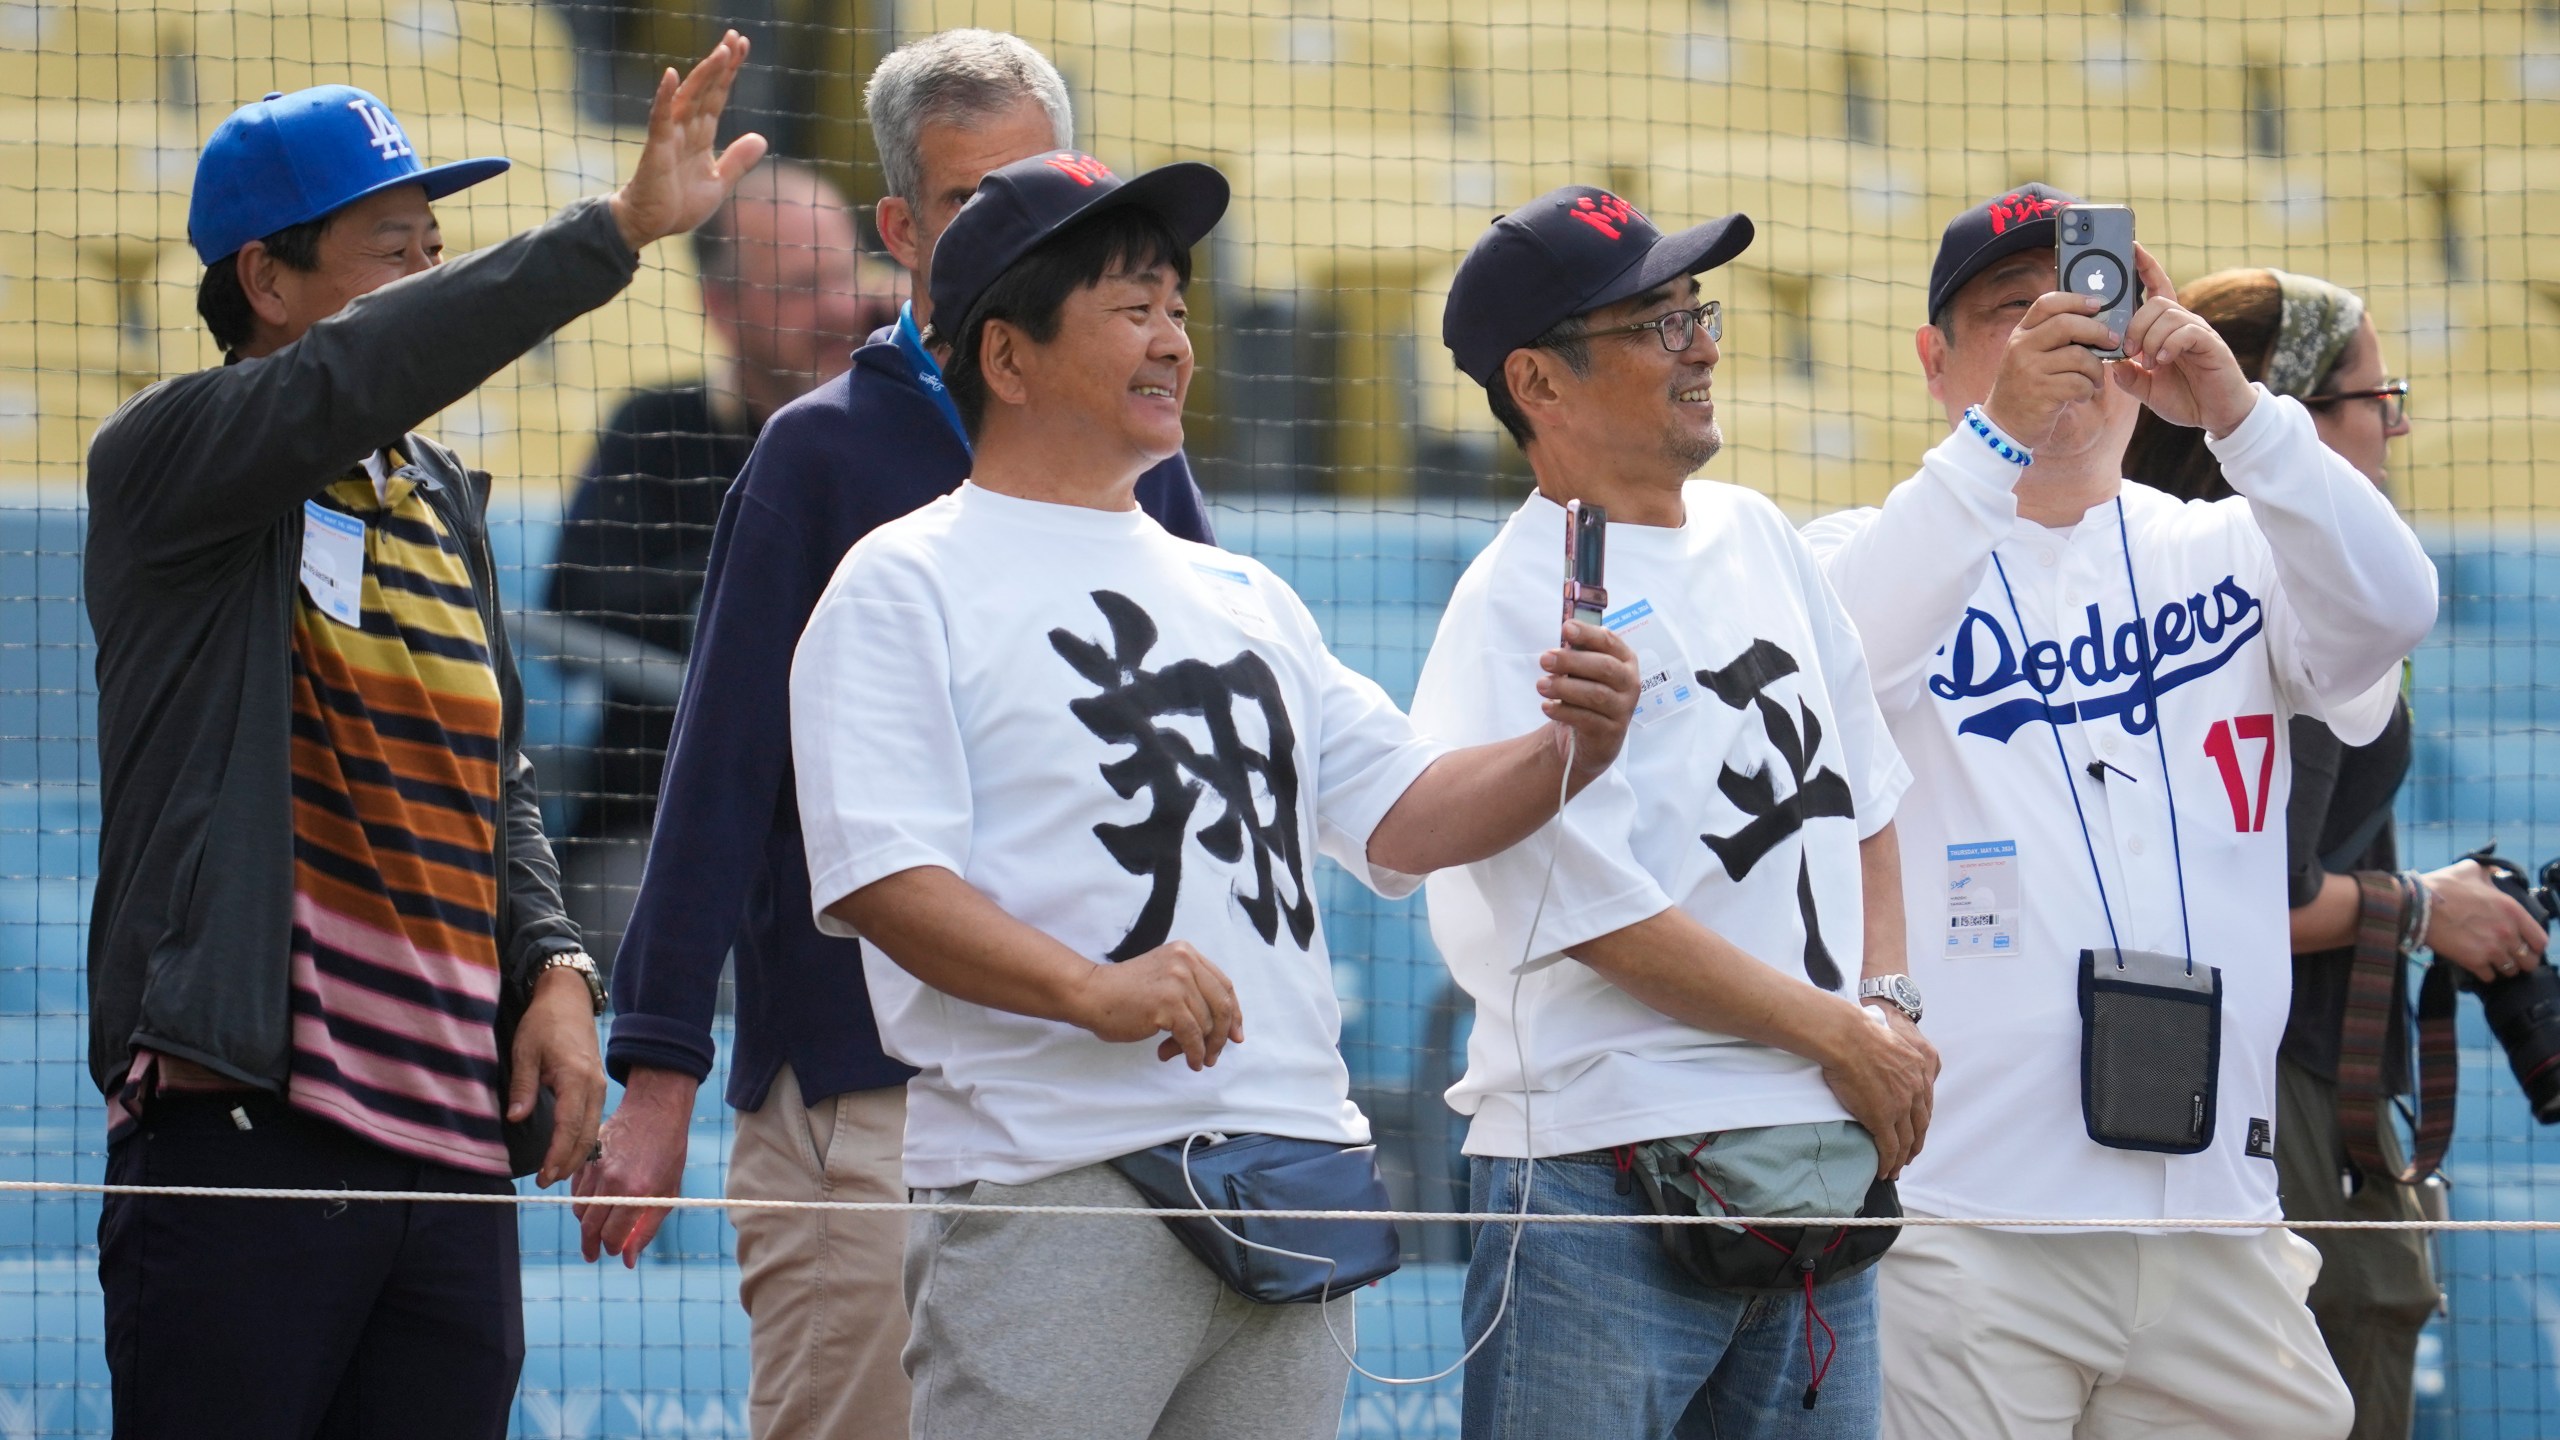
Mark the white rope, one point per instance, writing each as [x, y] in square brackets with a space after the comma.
[1419, 1217]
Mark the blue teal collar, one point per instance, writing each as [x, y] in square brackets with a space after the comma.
[911, 340]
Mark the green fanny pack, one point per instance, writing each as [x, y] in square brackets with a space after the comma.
[1824, 1168]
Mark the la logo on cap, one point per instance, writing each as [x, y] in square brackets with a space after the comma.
[1084, 169]
[382, 130]
[1605, 213]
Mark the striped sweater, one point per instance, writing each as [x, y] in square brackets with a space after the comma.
[396, 796]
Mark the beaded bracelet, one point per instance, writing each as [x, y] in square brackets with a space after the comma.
[2417, 910]
[2001, 445]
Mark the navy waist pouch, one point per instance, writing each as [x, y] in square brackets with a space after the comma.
[1272, 1172]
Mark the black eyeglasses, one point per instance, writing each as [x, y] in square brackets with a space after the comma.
[1678, 330]
[2392, 393]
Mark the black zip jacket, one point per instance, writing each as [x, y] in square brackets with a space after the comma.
[196, 487]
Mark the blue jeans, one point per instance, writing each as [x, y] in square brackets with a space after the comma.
[1606, 1337]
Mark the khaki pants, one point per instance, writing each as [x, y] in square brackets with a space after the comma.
[826, 1310]
[2001, 1335]
[2376, 1289]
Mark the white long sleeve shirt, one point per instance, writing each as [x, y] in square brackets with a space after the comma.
[1991, 640]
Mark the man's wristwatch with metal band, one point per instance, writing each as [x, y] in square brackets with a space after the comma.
[585, 965]
[1897, 991]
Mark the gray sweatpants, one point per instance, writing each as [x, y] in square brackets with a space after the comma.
[1071, 1328]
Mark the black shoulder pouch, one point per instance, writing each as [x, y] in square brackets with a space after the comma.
[2150, 1050]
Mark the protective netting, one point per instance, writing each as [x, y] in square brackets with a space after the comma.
[2402, 149]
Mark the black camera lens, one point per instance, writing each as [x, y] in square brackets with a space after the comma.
[2524, 1010]
[2524, 1013]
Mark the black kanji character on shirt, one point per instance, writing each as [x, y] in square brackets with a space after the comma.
[1172, 771]
[1774, 818]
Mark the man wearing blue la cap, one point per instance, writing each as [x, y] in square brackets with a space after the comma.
[1061, 772]
[327, 947]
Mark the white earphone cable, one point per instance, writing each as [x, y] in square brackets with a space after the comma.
[1529, 1134]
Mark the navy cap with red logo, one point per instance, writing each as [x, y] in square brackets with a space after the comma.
[1568, 252]
[1991, 232]
[1019, 205]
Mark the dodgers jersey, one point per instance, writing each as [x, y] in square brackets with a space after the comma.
[1993, 639]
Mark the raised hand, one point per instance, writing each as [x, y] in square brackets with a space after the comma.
[2177, 364]
[680, 179]
[1589, 688]
[2049, 366]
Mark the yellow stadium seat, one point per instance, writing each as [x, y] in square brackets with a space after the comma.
[46, 419]
[101, 171]
[60, 312]
[2519, 214]
[491, 59]
[74, 52]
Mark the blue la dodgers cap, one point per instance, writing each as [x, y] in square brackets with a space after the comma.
[290, 158]
[1019, 205]
[2020, 219]
[1568, 252]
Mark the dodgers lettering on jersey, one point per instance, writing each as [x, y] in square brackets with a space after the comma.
[2211, 625]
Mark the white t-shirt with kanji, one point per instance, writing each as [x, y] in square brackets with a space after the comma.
[1756, 764]
[1123, 739]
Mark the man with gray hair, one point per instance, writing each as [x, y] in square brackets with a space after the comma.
[821, 1110]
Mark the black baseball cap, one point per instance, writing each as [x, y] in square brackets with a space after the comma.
[1019, 205]
[1568, 252]
[1990, 232]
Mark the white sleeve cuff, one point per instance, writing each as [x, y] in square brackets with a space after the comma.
[1351, 832]
[1967, 458]
[852, 874]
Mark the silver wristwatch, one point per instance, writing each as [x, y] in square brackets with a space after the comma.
[585, 965]
[1895, 990]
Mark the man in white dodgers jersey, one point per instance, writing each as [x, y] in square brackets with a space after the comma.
[1066, 773]
[2092, 683]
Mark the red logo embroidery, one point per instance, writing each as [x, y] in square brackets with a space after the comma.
[1605, 213]
[1084, 168]
[2018, 209]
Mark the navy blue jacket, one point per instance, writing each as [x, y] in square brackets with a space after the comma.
[726, 869]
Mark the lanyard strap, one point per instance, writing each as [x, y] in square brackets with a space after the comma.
[2088, 845]
[2159, 739]
[928, 371]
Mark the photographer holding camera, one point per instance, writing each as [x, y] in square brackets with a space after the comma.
[2090, 681]
[2356, 915]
